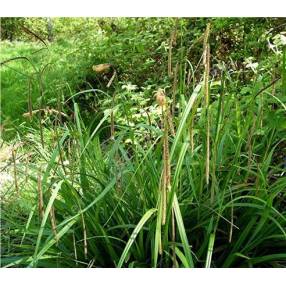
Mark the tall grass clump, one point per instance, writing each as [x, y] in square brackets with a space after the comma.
[198, 182]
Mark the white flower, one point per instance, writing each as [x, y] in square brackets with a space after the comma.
[250, 64]
[129, 86]
[279, 40]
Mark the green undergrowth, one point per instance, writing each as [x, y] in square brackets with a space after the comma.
[105, 196]
[86, 188]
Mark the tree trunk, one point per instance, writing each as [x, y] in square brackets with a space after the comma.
[50, 29]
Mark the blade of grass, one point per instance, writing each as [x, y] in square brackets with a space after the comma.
[44, 220]
[134, 234]
[210, 251]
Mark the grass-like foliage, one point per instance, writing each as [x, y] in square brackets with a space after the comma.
[197, 182]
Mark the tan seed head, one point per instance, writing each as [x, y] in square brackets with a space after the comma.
[160, 97]
[101, 68]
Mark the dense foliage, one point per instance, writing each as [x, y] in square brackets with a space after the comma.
[149, 142]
